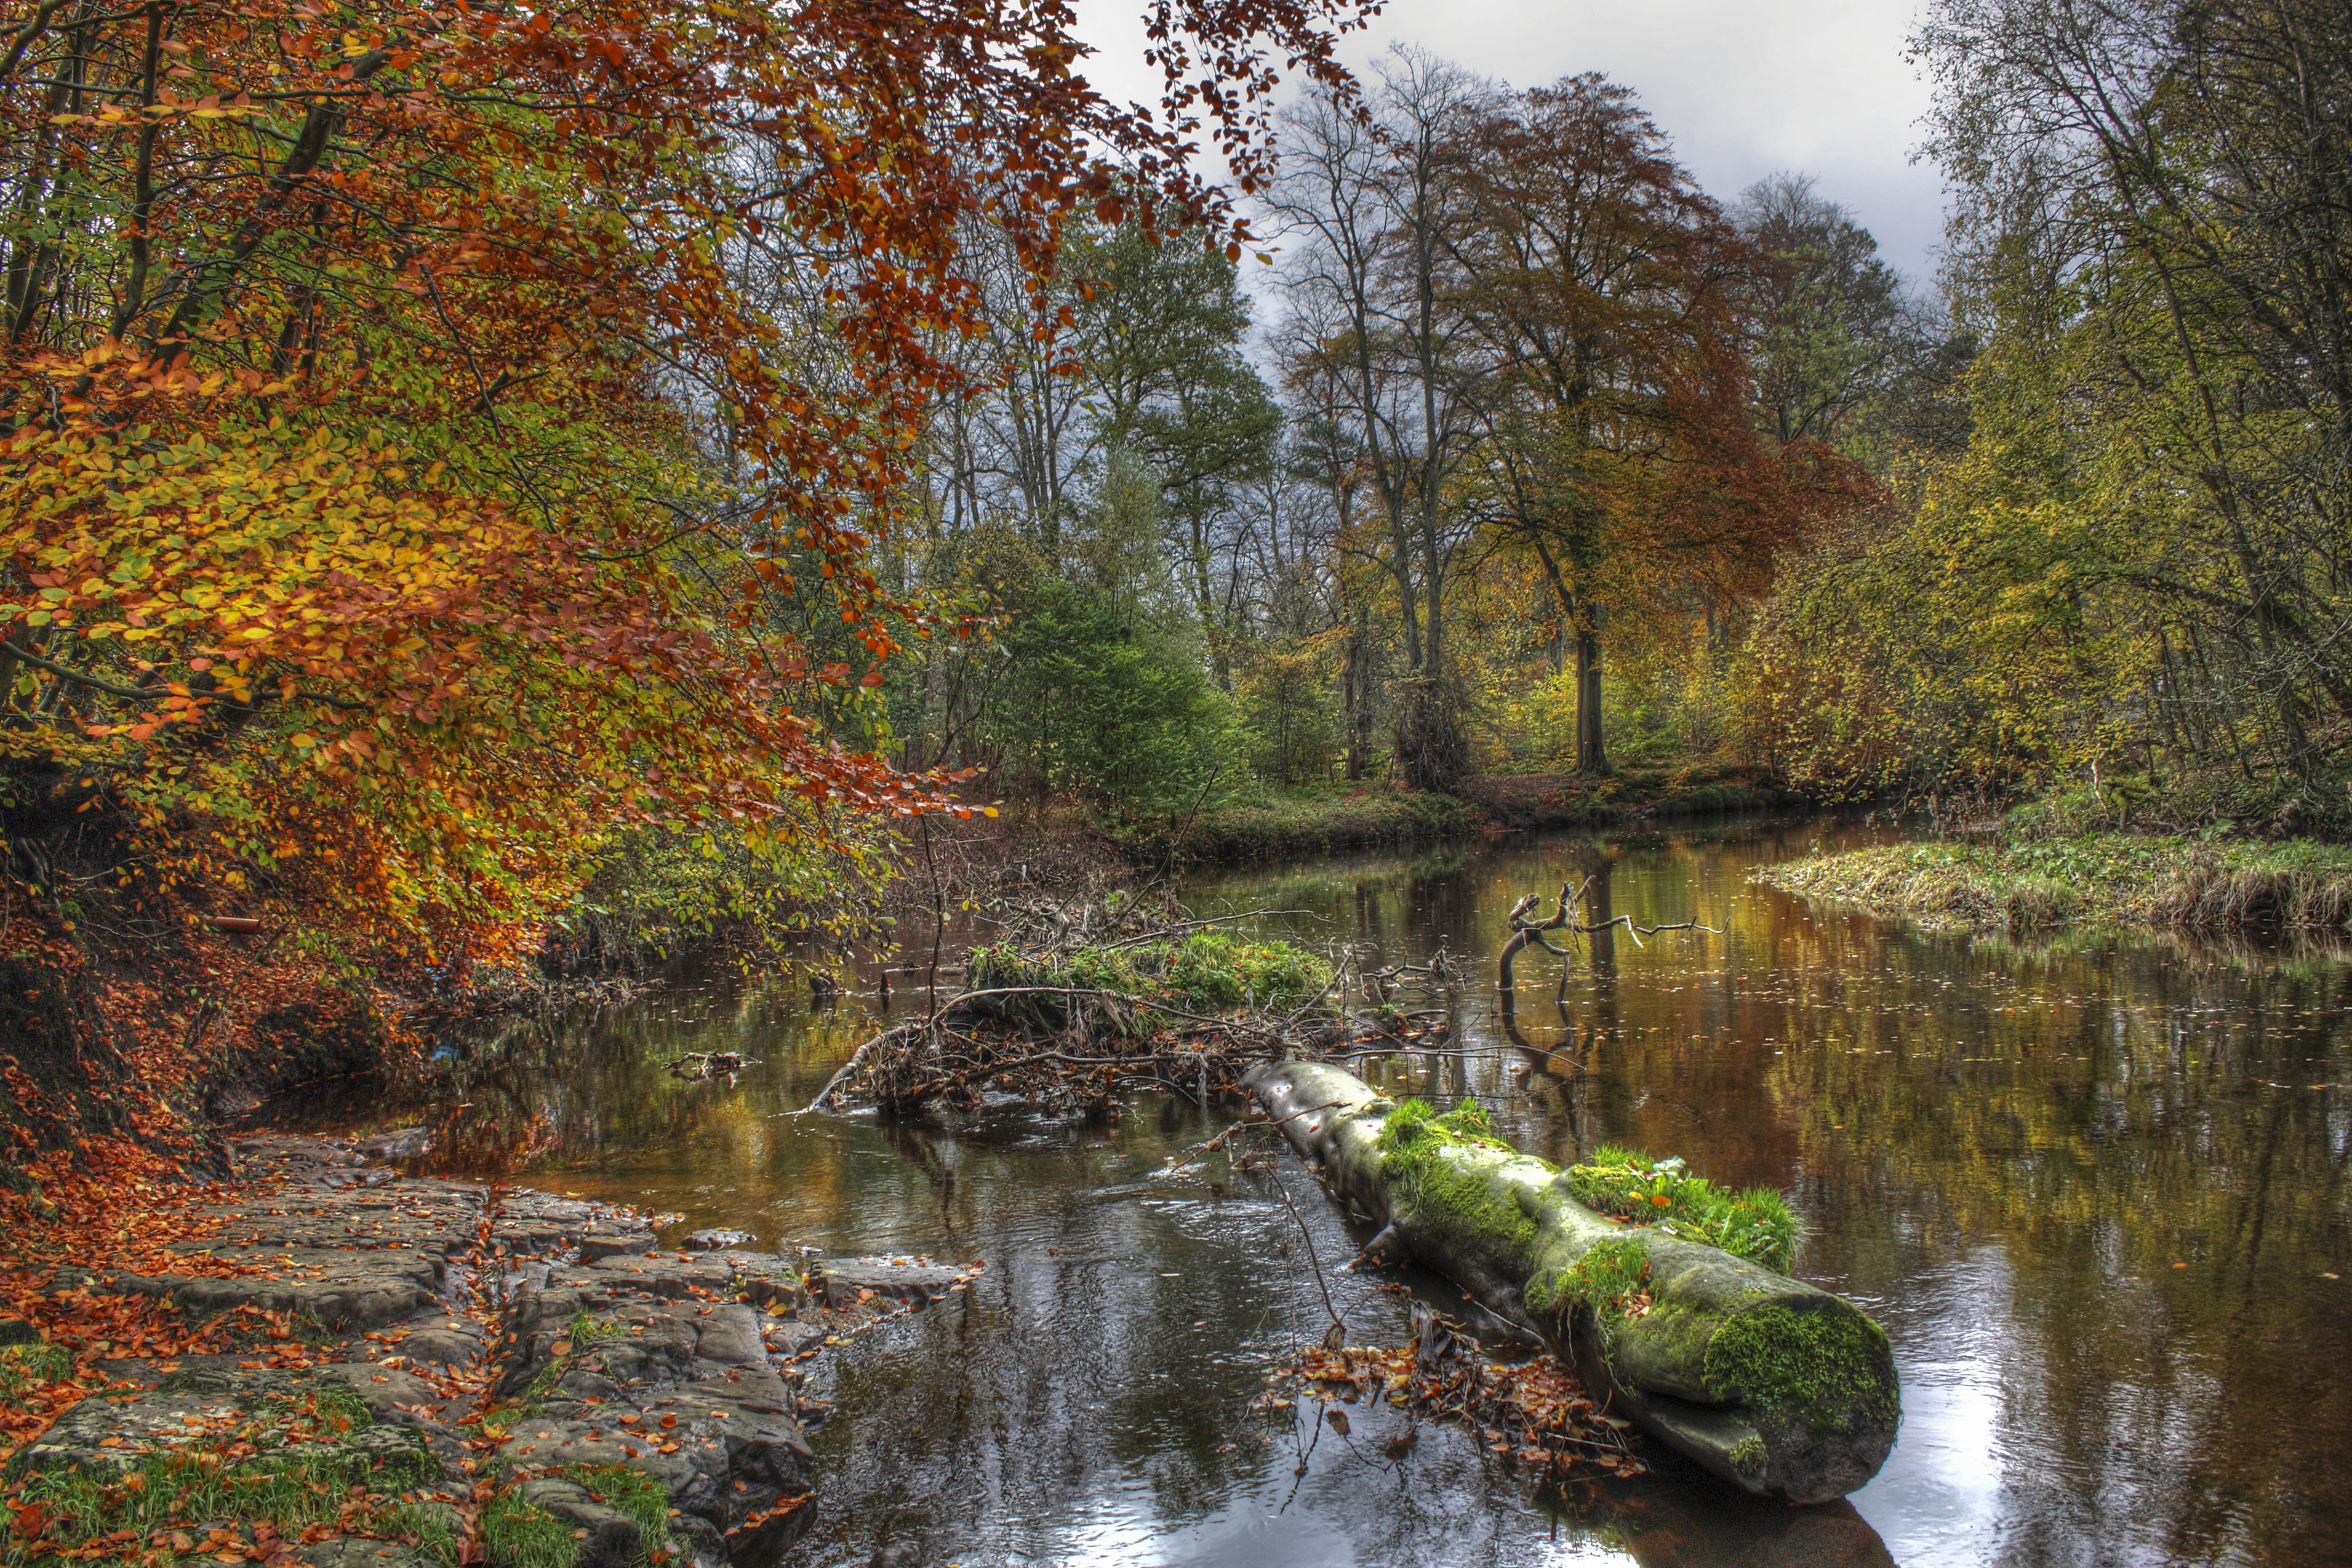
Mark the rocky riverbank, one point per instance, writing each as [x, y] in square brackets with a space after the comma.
[349, 1367]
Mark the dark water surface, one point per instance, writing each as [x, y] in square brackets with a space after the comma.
[2096, 1189]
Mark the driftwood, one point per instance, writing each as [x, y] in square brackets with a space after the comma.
[1525, 933]
[1782, 1388]
[710, 1064]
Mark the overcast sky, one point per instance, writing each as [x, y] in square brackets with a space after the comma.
[1744, 87]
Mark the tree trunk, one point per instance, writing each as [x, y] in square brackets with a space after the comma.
[1591, 756]
[1351, 703]
[1782, 1388]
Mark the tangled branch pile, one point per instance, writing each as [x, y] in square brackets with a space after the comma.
[1097, 1001]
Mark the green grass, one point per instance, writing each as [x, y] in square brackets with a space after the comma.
[182, 1490]
[430, 1529]
[1754, 1223]
[23, 1366]
[2135, 878]
[1208, 972]
[629, 1491]
[518, 1534]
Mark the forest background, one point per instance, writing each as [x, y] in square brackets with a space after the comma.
[487, 488]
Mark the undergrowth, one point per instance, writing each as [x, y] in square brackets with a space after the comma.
[520, 1535]
[629, 1491]
[1207, 971]
[58, 1515]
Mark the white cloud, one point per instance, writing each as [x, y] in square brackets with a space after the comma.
[1744, 87]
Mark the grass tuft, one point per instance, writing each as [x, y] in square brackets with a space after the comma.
[1208, 972]
[518, 1534]
[1754, 1223]
[25, 1366]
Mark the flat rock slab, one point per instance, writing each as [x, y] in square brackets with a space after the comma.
[711, 1240]
[839, 1281]
[602, 1339]
[733, 1455]
[357, 1551]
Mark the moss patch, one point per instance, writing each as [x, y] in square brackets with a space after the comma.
[1754, 1223]
[1446, 1165]
[1824, 1371]
[1607, 1279]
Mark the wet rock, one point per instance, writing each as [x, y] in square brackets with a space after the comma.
[767, 1279]
[359, 1552]
[614, 1244]
[730, 1337]
[600, 1351]
[716, 1240]
[838, 1281]
[673, 1276]
[402, 1143]
[349, 1290]
[17, 1332]
[788, 1338]
[442, 1347]
[393, 1397]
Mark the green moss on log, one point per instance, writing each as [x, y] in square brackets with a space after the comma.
[1819, 1368]
[1754, 1223]
[1605, 1278]
[1464, 1185]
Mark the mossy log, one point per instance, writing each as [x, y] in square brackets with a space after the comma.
[1770, 1383]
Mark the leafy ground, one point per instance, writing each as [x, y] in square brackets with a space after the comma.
[2131, 877]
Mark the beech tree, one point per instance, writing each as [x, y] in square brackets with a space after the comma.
[1617, 445]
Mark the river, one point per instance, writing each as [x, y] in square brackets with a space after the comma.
[2094, 1187]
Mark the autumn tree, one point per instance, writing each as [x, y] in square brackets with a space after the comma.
[2120, 572]
[1616, 443]
[421, 424]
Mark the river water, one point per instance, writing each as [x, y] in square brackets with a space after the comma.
[2095, 1188]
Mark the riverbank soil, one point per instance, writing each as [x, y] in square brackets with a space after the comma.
[322, 1360]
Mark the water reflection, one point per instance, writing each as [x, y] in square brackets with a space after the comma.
[2094, 1188]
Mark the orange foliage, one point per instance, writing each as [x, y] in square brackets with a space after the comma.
[423, 425]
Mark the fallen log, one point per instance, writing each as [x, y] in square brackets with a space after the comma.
[1772, 1384]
